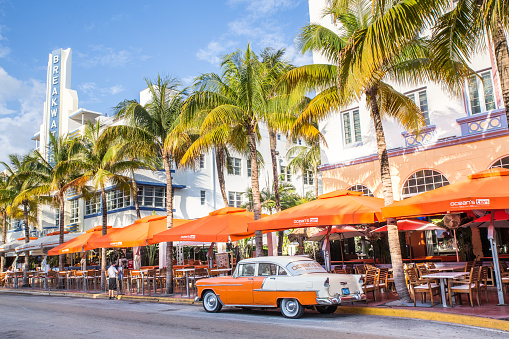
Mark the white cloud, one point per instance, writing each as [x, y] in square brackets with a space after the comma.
[95, 94]
[297, 58]
[214, 51]
[18, 124]
[4, 50]
[260, 8]
[104, 56]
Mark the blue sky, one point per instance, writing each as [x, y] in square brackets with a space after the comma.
[117, 44]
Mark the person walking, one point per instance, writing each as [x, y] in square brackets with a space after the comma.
[112, 280]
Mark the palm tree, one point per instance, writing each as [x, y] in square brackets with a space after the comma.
[21, 184]
[5, 201]
[462, 32]
[152, 125]
[376, 43]
[305, 159]
[55, 178]
[99, 165]
[235, 103]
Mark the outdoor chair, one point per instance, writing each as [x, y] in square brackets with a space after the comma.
[339, 270]
[431, 265]
[179, 280]
[383, 275]
[468, 266]
[422, 286]
[135, 280]
[361, 269]
[370, 282]
[349, 269]
[482, 283]
[212, 273]
[465, 286]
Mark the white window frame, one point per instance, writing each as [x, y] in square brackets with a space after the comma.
[57, 217]
[287, 174]
[415, 96]
[480, 91]
[423, 181]
[248, 162]
[234, 199]
[117, 199]
[309, 178]
[74, 211]
[93, 205]
[501, 163]
[202, 161]
[363, 189]
[152, 196]
[350, 123]
[235, 167]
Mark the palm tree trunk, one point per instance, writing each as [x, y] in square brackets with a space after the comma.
[4, 238]
[27, 240]
[169, 224]
[220, 163]
[392, 229]
[255, 187]
[135, 195]
[104, 232]
[61, 229]
[502, 59]
[275, 175]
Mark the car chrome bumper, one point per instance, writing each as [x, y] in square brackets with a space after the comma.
[338, 300]
[197, 299]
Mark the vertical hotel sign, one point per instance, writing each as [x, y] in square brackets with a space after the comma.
[55, 81]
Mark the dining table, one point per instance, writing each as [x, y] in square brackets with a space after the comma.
[451, 268]
[444, 277]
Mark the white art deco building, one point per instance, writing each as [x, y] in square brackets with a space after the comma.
[196, 193]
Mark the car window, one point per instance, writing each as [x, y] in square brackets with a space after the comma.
[281, 271]
[246, 270]
[265, 269]
[305, 267]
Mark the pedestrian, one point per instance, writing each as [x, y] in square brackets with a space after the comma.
[112, 280]
[120, 276]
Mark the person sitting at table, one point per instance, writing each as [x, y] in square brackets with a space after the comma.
[112, 280]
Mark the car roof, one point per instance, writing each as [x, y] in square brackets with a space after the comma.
[280, 260]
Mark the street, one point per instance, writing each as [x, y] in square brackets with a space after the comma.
[29, 316]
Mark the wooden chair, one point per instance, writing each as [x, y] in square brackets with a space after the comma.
[339, 270]
[482, 283]
[383, 276]
[422, 286]
[360, 269]
[465, 286]
[431, 265]
[212, 273]
[468, 266]
[371, 282]
[349, 269]
[179, 280]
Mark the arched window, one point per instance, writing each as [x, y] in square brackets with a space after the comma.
[502, 162]
[423, 181]
[361, 188]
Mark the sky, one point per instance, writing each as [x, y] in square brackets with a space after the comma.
[116, 45]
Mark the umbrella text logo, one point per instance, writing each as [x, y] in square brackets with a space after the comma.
[305, 221]
[470, 203]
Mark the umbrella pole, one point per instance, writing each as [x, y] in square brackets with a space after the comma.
[456, 246]
[327, 250]
[494, 253]
[341, 248]
[410, 244]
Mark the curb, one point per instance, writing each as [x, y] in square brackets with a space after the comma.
[427, 315]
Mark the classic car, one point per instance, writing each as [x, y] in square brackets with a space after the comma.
[291, 283]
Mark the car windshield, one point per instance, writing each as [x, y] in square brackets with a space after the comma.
[305, 267]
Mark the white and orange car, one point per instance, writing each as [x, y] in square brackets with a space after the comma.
[292, 283]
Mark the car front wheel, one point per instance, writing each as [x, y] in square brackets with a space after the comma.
[291, 308]
[326, 309]
[211, 302]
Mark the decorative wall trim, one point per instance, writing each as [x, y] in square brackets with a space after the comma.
[440, 143]
[426, 136]
[483, 122]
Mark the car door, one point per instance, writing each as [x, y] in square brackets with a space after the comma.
[240, 289]
[264, 284]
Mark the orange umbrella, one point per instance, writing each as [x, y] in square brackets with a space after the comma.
[485, 190]
[140, 233]
[229, 223]
[341, 207]
[81, 242]
[411, 225]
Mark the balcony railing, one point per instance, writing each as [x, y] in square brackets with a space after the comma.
[483, 122]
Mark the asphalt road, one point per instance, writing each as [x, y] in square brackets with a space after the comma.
[29, 316]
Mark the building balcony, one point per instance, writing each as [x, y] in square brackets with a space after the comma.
[483, 122]
[425, 136]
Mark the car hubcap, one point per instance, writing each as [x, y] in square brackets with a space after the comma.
[291, 306]
[211, 301]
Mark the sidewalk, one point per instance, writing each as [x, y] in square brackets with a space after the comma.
[486, 316]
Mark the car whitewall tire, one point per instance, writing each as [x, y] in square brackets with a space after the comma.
[211, 302]
[291, 308]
